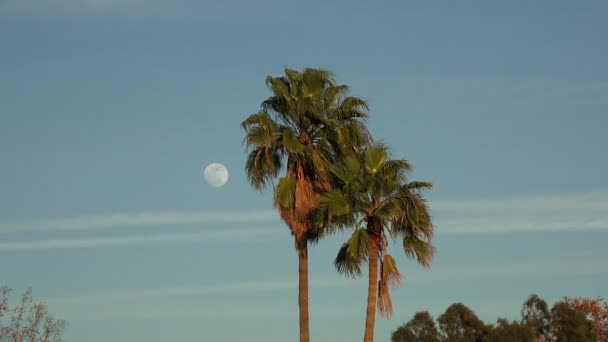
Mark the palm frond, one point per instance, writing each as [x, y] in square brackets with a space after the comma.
[291, 143]
[357, 244]
[346, 264]
[389, 277]
[375, 156]
[335, 202]
[285, 193]
[390, 271]
[419, 249]
[385, 304]
[262, 166]
[420, 185]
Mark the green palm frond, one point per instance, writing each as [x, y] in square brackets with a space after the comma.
[352, 107]
[394, 171]
[335, 202]
[285, 192]
[420, 185]
[291, 143]
[262, 166]
[419, 249]
[333, 95]
[375, 156]
[342, 173]
[352, 164]
[346, 264]
[357, 244]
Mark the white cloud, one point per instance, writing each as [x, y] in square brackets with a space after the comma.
[541, 213]
[135, 220]
[104, 242]
[103, 305]
[207, 8]
[572, 202]
[165, 303]
[205, 290]
[572, 266]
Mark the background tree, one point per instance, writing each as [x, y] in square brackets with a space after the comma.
[421, 328]
[566, 322]
[595, 310]
[372, 195]
[569, 325]
[27, 320]
[535, 313]
[303, 128]
[460, 324]
[505, 331]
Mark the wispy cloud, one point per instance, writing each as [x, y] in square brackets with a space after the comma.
[576, 265]
[540, 213]
[572, 266]
[63, 4]
[165, 303]
[117, 241]
[243, 287]
[135, 220]
[207, 8]
[571, 202]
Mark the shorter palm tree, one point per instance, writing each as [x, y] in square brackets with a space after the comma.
[372, 194]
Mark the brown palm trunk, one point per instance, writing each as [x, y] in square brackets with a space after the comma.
[372, 292]
[303, 292]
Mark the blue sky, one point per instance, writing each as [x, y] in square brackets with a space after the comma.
[110, 109]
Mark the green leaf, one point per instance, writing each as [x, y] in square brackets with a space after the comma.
[342, 173]
[357, 244]
[419, 185]
[374, 158]
[291, 143]
[335, 202]
[418, 249]
[285, 192]
[347, 265]
[352, 165]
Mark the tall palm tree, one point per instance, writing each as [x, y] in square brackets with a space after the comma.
[372, 195]
[307, 124]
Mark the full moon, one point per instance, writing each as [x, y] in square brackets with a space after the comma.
[216, 174]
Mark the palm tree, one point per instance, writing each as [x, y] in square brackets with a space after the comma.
[373, 195]
[307, 124]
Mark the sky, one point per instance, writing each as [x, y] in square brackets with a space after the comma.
[111, 109]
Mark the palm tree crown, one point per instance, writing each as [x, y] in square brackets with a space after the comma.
[372, 194]
[306, 124]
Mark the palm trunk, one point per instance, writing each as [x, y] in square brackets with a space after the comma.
[303, 293]
[372, 292]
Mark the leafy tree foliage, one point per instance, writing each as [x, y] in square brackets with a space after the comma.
[595, 310]
[535, 313]
[421, 328]
[569, 325]
[506, 331]
[27, 320]
[567, 321]
[460, 324]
